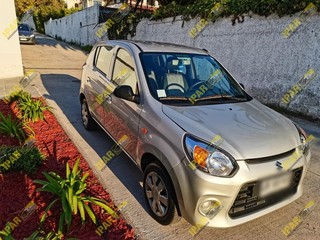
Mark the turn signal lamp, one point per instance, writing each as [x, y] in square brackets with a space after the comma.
[200, 155]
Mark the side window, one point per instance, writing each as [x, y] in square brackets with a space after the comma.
[124, 72]
[103, 59]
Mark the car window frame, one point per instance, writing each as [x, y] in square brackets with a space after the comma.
[95, 58]
[193, 67]
[116, 51]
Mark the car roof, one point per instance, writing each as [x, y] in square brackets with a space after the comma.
[150, 46]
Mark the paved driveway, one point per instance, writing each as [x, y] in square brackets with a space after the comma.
[59, 66]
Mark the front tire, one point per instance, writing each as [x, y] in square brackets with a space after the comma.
[159, 195]
[88, 122]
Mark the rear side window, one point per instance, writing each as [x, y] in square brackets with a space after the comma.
[103, 59]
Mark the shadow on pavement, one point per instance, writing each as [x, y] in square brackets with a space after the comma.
[64, 90]
[51, 42]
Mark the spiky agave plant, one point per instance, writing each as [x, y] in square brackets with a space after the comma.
[12, 127]
[42, 235]
[6, 235]
[70, 192]
[32, 109]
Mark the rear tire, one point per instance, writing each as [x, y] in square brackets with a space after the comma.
[159, 195]
[88, 122]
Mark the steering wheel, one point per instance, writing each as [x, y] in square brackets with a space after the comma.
[174, 84]
[196, 84]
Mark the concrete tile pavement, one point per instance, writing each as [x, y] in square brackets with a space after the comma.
[59, 67]
[7, 85]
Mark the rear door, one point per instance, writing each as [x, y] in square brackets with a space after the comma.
[99, 81]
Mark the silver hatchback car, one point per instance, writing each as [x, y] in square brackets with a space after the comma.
[206, 148]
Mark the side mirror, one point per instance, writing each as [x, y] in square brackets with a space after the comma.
[125, 92]
[242, 85]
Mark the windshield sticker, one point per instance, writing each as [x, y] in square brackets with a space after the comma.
[175, 62]
[185, 60]
[161, 93]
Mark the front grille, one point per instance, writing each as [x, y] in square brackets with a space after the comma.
[270, 158]
[248, 200]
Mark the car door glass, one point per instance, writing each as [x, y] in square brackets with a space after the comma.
[124, 72]
[103, 59]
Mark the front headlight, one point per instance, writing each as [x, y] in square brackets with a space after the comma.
[208, 157]
[303, 139]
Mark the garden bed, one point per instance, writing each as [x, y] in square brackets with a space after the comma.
[17, 189]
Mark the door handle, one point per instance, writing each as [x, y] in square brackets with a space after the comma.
[88, 79]
[109, 99]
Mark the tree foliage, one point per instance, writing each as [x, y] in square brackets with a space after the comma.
[43, 10]
[189, 9]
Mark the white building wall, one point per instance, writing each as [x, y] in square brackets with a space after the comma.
[79, 27]
[10, 53]
[255, 53]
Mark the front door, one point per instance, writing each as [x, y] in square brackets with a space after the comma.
[123, 116]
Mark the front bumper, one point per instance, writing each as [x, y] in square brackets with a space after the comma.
[197, 187]
[26, 39]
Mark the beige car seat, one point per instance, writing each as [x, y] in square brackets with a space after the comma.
[173, 76]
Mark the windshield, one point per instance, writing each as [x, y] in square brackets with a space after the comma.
[23, 27]
[189, 78]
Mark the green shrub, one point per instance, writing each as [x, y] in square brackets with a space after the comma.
[16, 95]
[70, 192]
[42, 235]
[87, 48]
[5, 235]
[201, 8]
[11, 127]
[31, 109]
[126, 26]
[25, 158]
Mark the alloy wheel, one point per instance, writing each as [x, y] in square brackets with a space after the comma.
[157, 194]
[85, 114]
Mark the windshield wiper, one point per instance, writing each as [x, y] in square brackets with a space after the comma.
[223, 97]
[175, 98]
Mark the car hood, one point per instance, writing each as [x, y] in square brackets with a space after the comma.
[249, 129]
[24, 33]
